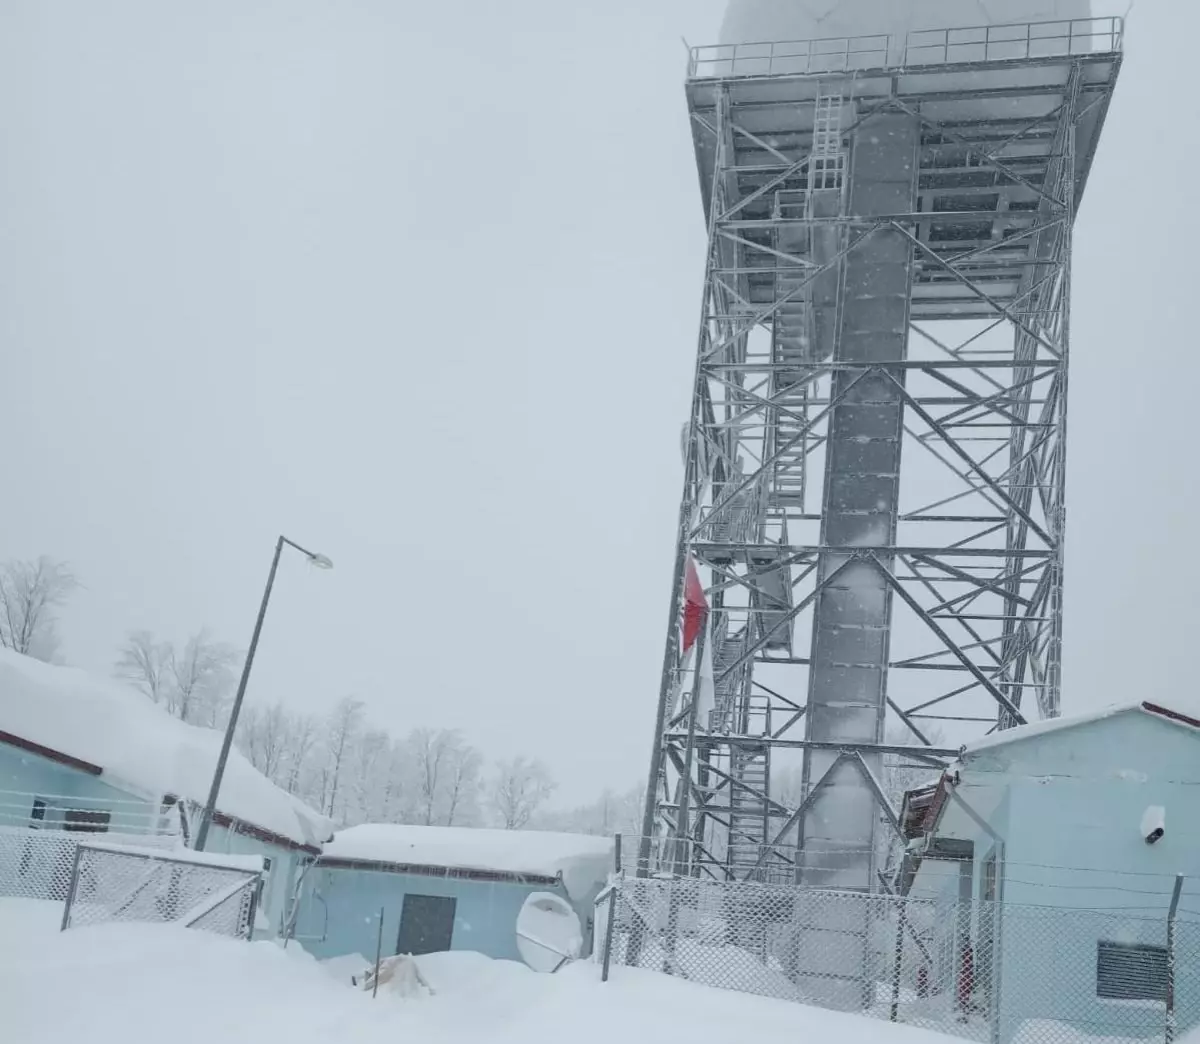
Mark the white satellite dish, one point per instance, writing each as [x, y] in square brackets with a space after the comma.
[548, 932]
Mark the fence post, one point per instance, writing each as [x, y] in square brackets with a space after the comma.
[608, 931]
[252, 913]
[901, 924]
[1172, 914]
[72, 888]
[378, 955]
[612, 909]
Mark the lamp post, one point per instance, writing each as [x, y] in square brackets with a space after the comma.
[321, 562]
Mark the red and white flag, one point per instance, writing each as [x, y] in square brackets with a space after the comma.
[695, 605]
[696, 617]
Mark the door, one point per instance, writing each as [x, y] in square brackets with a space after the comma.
[426, 924]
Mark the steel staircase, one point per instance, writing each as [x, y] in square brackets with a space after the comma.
[803, 325]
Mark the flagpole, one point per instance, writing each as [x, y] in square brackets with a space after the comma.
[682, 831]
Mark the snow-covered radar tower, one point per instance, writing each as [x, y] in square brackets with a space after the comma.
[869, 568]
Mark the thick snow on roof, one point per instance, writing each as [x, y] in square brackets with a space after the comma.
[755, 21]
[140, 745]
[583, 861]
[1185, 718]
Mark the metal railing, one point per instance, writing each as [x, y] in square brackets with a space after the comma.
[25, 809]
[116, 883]
[992, 43]
[983, 971]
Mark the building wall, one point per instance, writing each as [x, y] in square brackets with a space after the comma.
[25, 777]
[1077, 869]
[275, 901]
[339, 911]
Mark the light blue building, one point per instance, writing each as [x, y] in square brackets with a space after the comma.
[1076, 829]
[81, 756]
[516, 895]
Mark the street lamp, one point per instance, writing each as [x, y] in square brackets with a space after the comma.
[321, 562]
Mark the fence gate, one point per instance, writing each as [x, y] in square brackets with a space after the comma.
[118, 883]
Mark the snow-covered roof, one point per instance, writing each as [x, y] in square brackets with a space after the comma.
[1042, 728]
[140, 745]
[582, 861]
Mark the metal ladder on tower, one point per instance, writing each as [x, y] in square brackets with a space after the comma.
[797, 341]
[749, 807]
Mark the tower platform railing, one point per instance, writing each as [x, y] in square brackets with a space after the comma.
[1018, 41]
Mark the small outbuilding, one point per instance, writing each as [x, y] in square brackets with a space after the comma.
[82, 755]
[509, 894]
[1059, 846]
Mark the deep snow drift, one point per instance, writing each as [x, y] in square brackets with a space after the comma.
[755, 21]
[143, 984]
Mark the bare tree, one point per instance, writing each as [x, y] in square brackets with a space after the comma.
[397, 788]
[145, 662]
[429, 750]
[203, 676]
[519, 788]
[344, 726]
[612, 813]
[462, 785]
[263, 735]
[31, 593]
[302, 740]
[193, 685]
[371, 764]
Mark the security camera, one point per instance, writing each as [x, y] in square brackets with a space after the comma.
[1154, 824]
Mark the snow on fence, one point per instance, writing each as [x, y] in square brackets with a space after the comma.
[36, 864]
[191, 889]
[983, 971]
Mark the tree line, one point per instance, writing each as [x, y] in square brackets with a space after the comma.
[339, 762]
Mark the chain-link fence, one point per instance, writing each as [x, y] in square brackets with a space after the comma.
[984, 971]
[36, 864]
[112, 883]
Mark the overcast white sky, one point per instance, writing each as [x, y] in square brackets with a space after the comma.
[418, 285]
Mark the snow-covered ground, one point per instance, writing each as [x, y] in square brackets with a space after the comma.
[143, 984]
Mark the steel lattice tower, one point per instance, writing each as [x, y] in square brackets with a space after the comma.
[876, 454]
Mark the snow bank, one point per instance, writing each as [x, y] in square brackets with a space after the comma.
[583, 862]
[142, 984]
[27, 919]
[756, 21]
[140, 745]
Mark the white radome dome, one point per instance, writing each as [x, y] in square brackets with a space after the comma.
[761, 21]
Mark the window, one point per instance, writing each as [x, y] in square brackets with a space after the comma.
[86, 821]
[1131, 971]
[37, 814]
